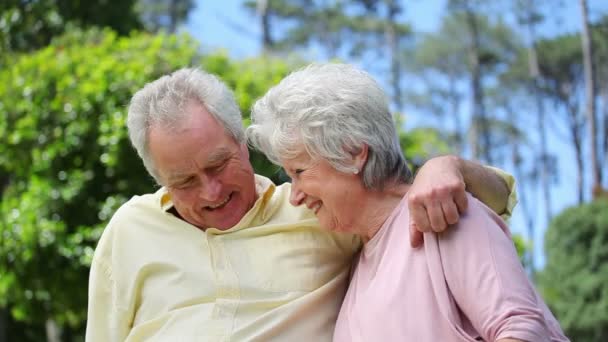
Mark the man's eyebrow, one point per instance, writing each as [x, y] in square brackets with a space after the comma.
[219, 156]
[216, 157]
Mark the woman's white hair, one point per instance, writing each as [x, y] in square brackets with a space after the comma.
[161, 103]
[332, 111]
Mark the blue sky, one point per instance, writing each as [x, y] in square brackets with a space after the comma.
[228, 26]
[225, 24]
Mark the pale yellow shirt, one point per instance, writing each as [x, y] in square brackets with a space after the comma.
[274, 276]
[511, 184]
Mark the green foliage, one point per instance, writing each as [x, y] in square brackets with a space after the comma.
[420, 144]
[575, 279]
[29, 25]
[355, 26]
[158, 14]
[67, 162]
[523, 249]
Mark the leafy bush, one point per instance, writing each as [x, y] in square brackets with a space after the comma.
[65, 160]
[575, 279]
[66, 163]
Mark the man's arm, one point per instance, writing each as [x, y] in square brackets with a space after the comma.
[438, 195]
[105, 322]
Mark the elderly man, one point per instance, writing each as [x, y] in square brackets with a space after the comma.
[218, 253]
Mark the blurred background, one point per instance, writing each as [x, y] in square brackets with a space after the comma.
[521, 85]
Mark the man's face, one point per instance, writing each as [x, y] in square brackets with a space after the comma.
[207, 173]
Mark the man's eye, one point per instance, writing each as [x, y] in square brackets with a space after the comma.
[298, 171]
[218, 168]
[184, 184]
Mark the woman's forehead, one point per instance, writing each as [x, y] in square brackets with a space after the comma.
[299, 158]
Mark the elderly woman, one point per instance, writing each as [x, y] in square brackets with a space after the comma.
[330, 127]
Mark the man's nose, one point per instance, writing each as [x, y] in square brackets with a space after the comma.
[296, 197]
[211, 189]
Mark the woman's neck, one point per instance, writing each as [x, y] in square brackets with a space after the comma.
[376, 208]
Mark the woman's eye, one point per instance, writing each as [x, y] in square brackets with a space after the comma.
[298, 171]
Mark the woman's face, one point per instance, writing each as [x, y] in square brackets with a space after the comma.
[332, 195]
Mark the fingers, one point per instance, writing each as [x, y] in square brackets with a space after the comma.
[418, 215]
[450, 213]
[460, 198]
[430, 217]
[436, 216]
[416, 236]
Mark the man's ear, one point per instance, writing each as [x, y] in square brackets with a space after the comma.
[244, 151]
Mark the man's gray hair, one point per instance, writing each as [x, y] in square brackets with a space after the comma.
[332, 111]
[161, 103]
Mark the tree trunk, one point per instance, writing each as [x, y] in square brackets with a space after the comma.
[542, 132]
[264, 14]
[53, 334]
[455, 103]
[173, 16]
[605, 135]
[576, 128]
[587, 45]
[579, 169]
[3, 324]
[545, 175]
[480, 125]
[392, 39]
[525, 205]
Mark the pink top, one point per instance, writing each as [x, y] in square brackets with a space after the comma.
[466, 284]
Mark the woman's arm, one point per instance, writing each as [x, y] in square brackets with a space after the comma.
[486, 279]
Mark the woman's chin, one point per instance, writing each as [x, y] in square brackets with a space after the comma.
[337, 229]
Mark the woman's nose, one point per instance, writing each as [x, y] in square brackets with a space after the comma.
[296, 197]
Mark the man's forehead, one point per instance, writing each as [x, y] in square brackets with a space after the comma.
[204, 160]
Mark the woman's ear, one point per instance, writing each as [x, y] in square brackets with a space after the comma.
[359, 156]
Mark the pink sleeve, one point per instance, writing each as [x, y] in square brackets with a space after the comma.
[487, 280]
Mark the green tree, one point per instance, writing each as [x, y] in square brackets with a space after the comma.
[529, 16]
[159, 14]
[560, 61]
[488, 44]
[575, 279]
[68, 163]
[340, 29]
[590, 95]
[30, 25]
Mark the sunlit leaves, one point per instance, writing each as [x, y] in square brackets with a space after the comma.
[575, 278]
[68, 160]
